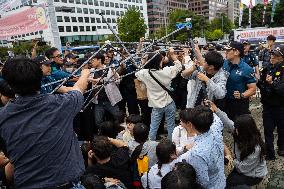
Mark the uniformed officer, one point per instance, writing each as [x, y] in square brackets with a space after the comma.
[271, 85]
[250, 58]
[241, 83]
[264, 55]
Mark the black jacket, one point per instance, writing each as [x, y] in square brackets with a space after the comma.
[272, 94]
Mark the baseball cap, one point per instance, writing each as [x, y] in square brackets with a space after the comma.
[271, 37]
[42, 60]
[246, 42]
[279, 51]
[235, 45]
[71, 55]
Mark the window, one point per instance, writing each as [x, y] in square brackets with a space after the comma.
[59, 19]
[94, 28]
[85, 10]
[87, 20]
[103, 12]
[71, 1]
[91, 11]
[97, 11]
[93, 20]
[56, 0]
[112, 12]
[88, 28]
[68, 28]
[72, 9]
[108, 20]
[113, 20]
[141, 7]
[104, 27]
[101, 3]
[74, 19]
[80, 19]
[98, 20]
[84, 2]
[64, 1]
[99, 27]
[58, 9]
[107, 12]
[90, 2]
[79, 10]
[96, 3]
[61, 28]
[78, 1]
[121, 5]
[75, 28]
[107, 4]
[81, 28]
[111, 4]
[66, 18]
[117, 13]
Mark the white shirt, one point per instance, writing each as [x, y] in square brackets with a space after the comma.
[181, 139]
[154, 180]
[157, 96]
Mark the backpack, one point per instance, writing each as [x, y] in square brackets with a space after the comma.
[139, 165]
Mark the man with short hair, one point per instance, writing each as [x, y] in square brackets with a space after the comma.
[250, 58]
[207, 153]
[241, 83]
[209, 81]
[38, 129]
[265, 53]
[57, 73]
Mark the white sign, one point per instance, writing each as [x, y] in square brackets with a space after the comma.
[258, 34]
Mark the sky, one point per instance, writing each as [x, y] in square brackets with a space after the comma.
[247, 2]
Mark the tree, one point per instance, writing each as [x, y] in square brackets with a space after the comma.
[216, 23]
[279, 15]
[131, 26]
[215, 35]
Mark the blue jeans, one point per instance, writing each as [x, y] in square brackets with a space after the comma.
[156, 117]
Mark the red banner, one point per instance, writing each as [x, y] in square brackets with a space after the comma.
[27, 21]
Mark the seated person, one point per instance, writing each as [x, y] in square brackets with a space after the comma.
[250, 165]
[127, 134]
[110, 129]
[141, 145]
[111, 164]
[166, 153]
[182, 177]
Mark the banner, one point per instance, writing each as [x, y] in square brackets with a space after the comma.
[27, 21]
[259, 34]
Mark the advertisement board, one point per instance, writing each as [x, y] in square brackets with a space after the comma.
[30, 20]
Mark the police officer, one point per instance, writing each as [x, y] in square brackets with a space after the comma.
[250, 59]
[271, 85]
[241, 83]
[264, 55]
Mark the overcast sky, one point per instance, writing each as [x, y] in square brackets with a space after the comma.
[247, 2]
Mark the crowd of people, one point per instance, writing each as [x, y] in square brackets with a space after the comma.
[105, 126]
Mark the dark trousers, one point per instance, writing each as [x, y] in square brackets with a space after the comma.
[145, 111]
[236, 107]
[273, 117]
[131, 101]
[237, 179]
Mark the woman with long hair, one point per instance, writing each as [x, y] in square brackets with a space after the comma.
[249, 149]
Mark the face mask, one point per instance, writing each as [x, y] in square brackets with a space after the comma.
[69, 70]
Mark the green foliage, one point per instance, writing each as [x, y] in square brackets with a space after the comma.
[215, 35]
[131, 26]
[216, 23]
[257, 16]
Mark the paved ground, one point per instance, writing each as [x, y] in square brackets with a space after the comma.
[275, 178]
